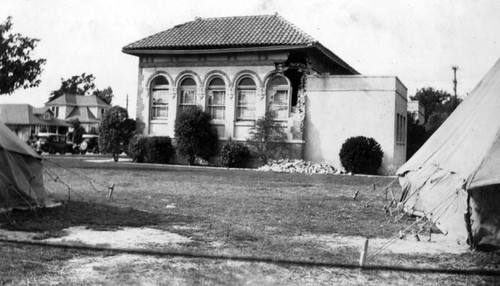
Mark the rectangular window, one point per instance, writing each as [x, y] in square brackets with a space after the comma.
[159, 107]
[188, 99]
[279, 103]
[217, 104]
[400, 129]
[246, 105]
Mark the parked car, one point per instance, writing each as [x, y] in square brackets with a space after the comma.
[53, 143]
[89, 144]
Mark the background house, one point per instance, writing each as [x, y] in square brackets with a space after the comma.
[27, 121]
[88, 109]
[237, 68]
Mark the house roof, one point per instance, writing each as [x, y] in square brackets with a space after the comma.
[77, 100]
[83, 114]
[23, 114]
[42, 110]
[244, 31]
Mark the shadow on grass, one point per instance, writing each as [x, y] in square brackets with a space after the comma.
[93, 215]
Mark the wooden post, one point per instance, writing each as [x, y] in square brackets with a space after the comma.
[364, 253]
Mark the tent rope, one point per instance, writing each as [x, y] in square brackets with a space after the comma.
[371, 186]
[442, 203]
[90, 180]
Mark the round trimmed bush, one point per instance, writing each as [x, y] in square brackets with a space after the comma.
[234, 154]
[361, 155]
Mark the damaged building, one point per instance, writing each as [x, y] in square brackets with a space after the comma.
[238, 68]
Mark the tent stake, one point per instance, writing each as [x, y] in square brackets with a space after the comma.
[364, 253]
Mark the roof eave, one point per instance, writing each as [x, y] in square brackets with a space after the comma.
[335, 58]
[138, 52]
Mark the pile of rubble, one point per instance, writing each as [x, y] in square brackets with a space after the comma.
[299, 166]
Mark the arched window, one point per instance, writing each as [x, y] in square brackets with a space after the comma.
[188, 94]
[247, 95]
[278, 97]
[159, 99]
[217, 98]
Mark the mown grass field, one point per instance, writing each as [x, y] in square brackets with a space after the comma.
[224, 212]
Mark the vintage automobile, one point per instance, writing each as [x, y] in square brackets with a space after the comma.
[53, 143]
[90, 143]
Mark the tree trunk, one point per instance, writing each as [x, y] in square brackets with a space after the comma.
[191, 160]
[115, 157]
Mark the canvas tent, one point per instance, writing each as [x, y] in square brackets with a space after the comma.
[21, 178]
[454, 179]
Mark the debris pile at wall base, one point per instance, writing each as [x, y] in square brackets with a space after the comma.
[299, 166]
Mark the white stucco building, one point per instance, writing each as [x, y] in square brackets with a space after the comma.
[237, 68]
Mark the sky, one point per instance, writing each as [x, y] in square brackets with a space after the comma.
[418, 41]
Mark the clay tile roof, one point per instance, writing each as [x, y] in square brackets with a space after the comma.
[244, 31]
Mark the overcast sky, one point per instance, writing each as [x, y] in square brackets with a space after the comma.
[418, 41]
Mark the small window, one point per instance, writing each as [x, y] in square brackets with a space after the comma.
[46, 116]
[217, 98]
[159, 98]
[400, 129]
[278, 96]
[188, 94]
[245, 104]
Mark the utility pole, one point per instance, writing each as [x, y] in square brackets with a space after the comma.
[455, 68]
[126, 106]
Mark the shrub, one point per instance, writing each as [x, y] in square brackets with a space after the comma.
[116, 129]
[144, 149]
[234, 154]
[195, 136]
[268, 138]
[361, 155]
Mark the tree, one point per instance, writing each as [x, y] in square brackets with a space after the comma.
[438, 106]
[17, 67]
[78, 84]
[116, 129]
[78, 130]
[417, 136]
[106, 94]
[268, 137]
[432, 100]
[82, 85]
[196, 137]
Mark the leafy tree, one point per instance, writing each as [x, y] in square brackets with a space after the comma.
[17, 67]
[431, 99]
[78, 130]
[268, 137]
[417, 136]
[116, 129]
[436, 101]
[438, 106]
[82, 85]
[78, 84]
[196, 137]
[106, 94]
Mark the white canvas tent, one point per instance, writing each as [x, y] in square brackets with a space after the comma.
[21, 178]
[454, 179]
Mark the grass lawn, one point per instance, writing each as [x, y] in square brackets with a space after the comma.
[223, 212]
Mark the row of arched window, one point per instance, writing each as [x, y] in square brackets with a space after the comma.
[278, 97]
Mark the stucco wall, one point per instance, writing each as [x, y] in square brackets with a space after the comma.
[339, 107]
